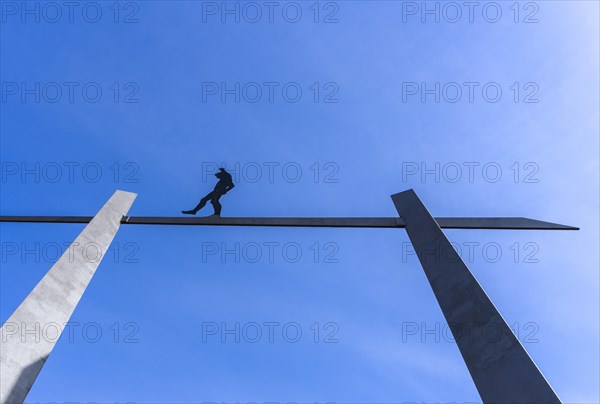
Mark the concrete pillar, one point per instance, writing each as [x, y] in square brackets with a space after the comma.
[23, 346]
[502, 370]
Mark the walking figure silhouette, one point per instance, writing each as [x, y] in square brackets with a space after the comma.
[224, 185]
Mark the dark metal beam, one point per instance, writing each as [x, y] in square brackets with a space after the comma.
[500, 223]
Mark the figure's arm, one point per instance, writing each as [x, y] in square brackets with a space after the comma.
[229, 187]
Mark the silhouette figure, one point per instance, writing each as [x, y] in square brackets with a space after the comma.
[224, 185]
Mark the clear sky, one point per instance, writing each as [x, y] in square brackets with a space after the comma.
[319, 109]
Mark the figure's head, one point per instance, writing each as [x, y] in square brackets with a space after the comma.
[222, 173]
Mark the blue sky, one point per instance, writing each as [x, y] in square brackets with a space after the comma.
[158, 131]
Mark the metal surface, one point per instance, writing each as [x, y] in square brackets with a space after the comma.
[29, 335]
[502, 370]
[499, 223]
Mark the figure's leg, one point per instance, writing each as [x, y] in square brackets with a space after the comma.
[203, 201]
[200, 205]
[216, 204]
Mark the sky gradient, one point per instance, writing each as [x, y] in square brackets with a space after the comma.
[323, 113]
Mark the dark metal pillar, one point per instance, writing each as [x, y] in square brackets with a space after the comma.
[502, 370]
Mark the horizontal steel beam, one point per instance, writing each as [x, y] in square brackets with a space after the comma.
[500, 223]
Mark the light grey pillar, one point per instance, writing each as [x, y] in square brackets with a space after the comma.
[502, 370]
[24, 347]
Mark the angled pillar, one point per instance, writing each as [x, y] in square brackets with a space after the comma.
[23, 349]
[502, 370]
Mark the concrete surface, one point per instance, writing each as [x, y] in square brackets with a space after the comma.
[28, 336]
